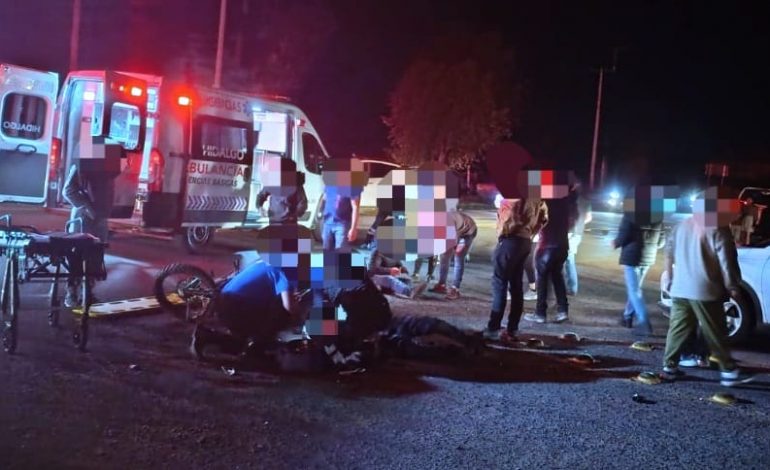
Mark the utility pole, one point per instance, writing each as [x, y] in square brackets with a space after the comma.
[75, 35]
[220, 43]
[596, 127]
[597, 120]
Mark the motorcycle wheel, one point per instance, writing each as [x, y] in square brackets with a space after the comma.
[186, 291]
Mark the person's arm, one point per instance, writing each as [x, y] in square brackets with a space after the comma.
[668, 259]
[378, 265]
[301, 202]
[728, 260]
[541, 217]
[624, 232]
[262, 197]
[353, 233]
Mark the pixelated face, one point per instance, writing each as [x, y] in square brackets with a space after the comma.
[650, 204]
[715, 208]
[277, 172]
[287, 246]
[347, 177]
[419, 201]
[332, 270]
[544, 184]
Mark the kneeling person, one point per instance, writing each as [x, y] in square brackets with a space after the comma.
[259, 306]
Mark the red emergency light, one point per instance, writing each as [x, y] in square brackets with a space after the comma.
[183, 101]
[136, 91]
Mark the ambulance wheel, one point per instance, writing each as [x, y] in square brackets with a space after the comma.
[195, 239]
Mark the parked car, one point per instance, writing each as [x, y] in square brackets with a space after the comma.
[743, 315]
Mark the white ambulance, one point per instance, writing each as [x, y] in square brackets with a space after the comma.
[198, 169]
[27, 102]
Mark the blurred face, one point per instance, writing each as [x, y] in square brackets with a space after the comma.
[348, 177]
[650, 204]
[715, 208]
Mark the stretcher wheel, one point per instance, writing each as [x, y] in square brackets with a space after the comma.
[185, 290]
[80, 338]
[53, 317]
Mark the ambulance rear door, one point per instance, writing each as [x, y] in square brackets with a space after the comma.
[27, 102]
[103, 121]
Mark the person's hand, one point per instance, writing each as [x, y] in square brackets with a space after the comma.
[613, 244]
[668, 280]
[395, 271]
[459, 248]
[352, 235]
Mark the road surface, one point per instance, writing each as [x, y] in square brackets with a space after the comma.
[137, 400]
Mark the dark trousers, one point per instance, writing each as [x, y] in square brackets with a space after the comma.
[508, 266]
[260, 326]
[549, 262]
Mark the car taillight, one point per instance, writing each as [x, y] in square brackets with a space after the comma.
[53, 159]
[155, 170]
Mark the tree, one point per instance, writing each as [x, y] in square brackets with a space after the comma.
[451, 103]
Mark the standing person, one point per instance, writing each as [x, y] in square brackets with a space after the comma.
[283, 186]
[551, 253]
[639, 242]
[466, 231]
[529, 270]
[584, 216]
[517, 221]
[344, 182]
[91, 195]
[707, 274]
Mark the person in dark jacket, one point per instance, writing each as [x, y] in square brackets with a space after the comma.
[551, 253]
[639, 238]
[283, 185]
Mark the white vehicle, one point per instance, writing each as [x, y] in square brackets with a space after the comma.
[743, 315]
[27, 102]
[199, 166]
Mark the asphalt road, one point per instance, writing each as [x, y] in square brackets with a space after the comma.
[137, 400]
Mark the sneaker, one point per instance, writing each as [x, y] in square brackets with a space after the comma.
[289, 334]
[735, 377]
[439, 289]
[561, 317]
[415, 277]
[418, 290]
[692, 360]
[453, 293]
[508, 296]
[671, 373]
[533, 317]
[530, 295]
[643, 329]
[509, 337]
[491, 335]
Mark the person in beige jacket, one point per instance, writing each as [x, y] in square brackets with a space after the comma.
[706, 274]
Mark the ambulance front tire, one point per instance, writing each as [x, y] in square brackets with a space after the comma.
[195, 239]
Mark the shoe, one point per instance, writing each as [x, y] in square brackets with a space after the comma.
[439, 289]
[643, 329]
[530, 295]
[571, 293]
[453, 293]
[290, 334]
[415, 277]
[533, 317]
[418, 290]
[198, 342]
[735, 377]
[491, 335]
[508, 296]
[692, 360]
[671, 373]
[561, 317]
[509, 337]
[627, 322]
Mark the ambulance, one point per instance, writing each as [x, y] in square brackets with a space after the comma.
[197, 168]
[27, 103]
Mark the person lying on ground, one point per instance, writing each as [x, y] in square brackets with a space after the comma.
[391, 276]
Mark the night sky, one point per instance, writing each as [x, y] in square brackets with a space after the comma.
[692, 83]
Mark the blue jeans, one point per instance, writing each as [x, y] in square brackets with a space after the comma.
[459, 264]
[570, 268]
[334, 235]
[635, 305]
[392, 284]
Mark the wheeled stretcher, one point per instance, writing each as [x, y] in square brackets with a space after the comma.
[51, 257]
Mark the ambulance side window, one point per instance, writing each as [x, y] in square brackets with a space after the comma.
[222, 141]
[312, 153]
[125, 122]
[23, 116]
